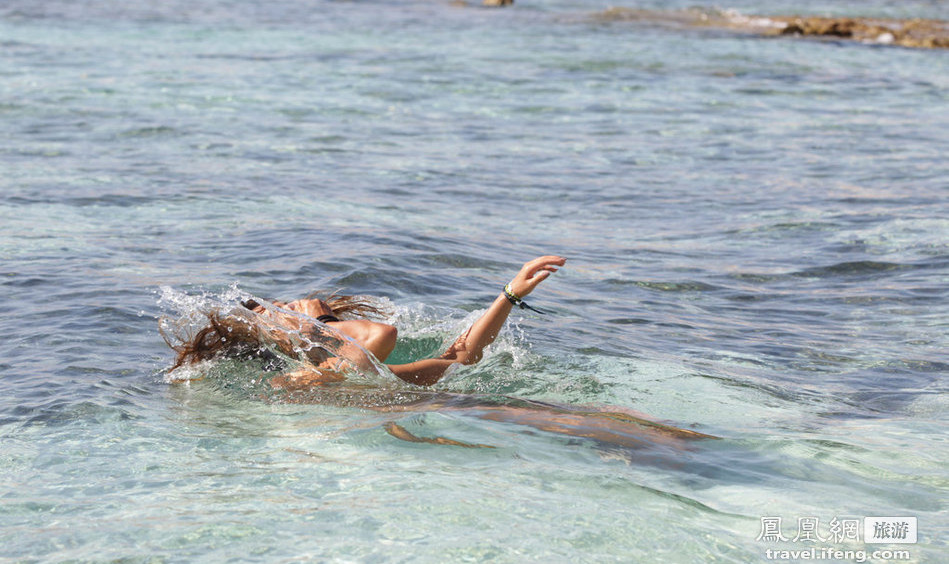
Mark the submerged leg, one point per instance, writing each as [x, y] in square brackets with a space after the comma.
[624, 418]
[617, 426]
[606, 427]
[400, 432]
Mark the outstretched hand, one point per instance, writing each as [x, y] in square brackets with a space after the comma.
[535, 272]
[469, 347]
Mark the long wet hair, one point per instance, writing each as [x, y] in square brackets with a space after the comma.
[238, 335]
[224, 336]
[357, 306]
[353, 306]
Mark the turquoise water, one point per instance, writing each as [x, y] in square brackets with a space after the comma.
[757, 234]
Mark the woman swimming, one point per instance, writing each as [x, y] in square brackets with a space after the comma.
[296, 328]
[233, 337]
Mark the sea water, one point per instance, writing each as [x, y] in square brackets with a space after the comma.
[757, 235]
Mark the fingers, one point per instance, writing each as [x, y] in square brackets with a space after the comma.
[541, 275]
[547, 261]
[548, 264]
[545, 270]
[534, 272]
[537, 279]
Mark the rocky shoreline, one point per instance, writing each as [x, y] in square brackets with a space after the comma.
[914, 33]
[918, 33]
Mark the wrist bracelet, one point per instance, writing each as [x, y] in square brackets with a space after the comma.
[511, 296]
[518, 301]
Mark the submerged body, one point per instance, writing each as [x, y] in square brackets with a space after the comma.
[299, 329]
[613, 426]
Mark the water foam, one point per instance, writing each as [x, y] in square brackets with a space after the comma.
[188, 313]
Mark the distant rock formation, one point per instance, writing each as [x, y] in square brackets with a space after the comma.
[917, 33]
[926, 34]
[486, 3]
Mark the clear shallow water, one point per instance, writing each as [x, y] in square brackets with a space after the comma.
[757, 238]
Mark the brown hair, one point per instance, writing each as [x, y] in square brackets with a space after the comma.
[359, 305]
[224, 335]
[338, 304]
[239, 335]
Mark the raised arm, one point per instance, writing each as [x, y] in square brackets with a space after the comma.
[469, 347]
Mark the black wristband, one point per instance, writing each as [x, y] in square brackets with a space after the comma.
[519, 302]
